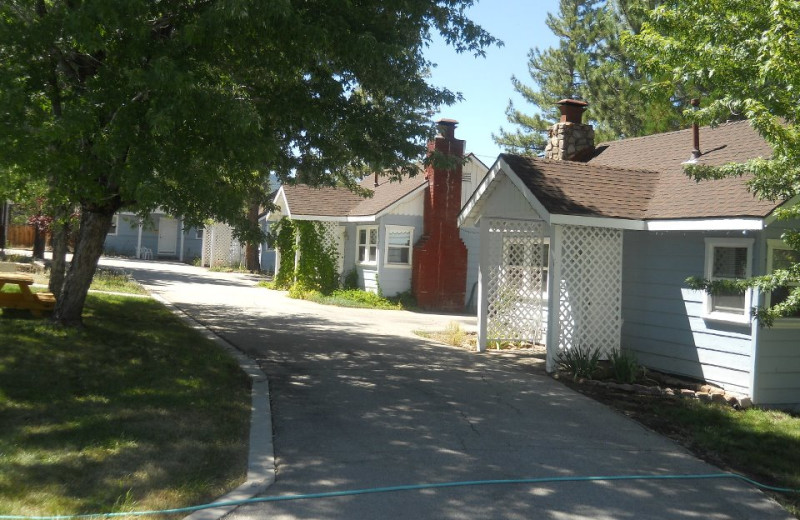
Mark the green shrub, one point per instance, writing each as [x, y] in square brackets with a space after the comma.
[299, 291]
[624, 366]
[580, 361]
[351, 280]
[359, 298]
[404, 300]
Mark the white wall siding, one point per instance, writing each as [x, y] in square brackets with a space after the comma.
[395, 279]
[507, 202]
[472, 173]
[662, 318]
[413, 207]
[472, 239]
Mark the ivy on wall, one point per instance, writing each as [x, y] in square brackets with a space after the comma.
[316, 265]
[283, 234]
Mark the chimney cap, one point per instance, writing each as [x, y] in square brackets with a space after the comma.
[573, 102]
[447, 127]
[572, 110]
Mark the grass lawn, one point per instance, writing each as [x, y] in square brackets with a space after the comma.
[115, 280]
[135, 411]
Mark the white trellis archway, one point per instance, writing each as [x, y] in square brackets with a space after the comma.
[580, 267]
[514, 281]
[587, 268]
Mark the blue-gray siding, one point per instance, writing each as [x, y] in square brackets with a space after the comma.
[777, 367]
[126, 238]
[662, 319]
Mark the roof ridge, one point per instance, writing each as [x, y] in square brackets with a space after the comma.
[586, 164]
[661, 134]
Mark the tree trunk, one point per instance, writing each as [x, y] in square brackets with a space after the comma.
[91, 236]
[60, 240]
[251, 248]
[39, 240]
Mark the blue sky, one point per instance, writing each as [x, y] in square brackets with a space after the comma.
[485, 83]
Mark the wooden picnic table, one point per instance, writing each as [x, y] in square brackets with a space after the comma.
[37, 303]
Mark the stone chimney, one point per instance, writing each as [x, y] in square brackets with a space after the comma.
[439, 270]
[570, 139]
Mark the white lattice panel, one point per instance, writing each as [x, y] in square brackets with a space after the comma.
[590, 288]
[515, 284]
[218, 242]
[333, 240]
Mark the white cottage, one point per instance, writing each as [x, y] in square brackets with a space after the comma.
[396, 238]
[592, 245]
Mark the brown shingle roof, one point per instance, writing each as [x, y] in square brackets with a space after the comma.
[643, 177]
[341, 202]
[573, 188]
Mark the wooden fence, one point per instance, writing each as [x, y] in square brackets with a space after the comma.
[20, 236]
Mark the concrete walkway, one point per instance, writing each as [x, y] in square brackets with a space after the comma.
[359, 401]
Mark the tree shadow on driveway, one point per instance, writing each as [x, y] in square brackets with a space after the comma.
[356, 407]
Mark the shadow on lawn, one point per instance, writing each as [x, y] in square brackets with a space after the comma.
[134, 402]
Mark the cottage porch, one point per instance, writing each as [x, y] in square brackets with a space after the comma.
[558, 285]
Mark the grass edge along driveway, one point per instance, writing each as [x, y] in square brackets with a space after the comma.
[134, 411]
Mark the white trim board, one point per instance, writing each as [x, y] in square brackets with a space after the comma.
[721, 224]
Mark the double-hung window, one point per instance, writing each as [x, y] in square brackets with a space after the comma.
[367, 252]
[728, 259]
[781, 257]
[523, 257]
[399, 240]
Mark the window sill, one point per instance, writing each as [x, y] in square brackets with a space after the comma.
[722, 317]
[397, 266]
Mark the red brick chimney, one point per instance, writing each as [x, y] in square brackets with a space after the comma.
[570, 139]
[439, 271]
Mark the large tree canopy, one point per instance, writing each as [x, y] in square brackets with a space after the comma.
[747, 56]
[588, 63]
[187, 105]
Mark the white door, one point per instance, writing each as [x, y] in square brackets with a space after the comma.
[167, 236]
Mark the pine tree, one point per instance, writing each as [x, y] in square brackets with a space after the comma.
[557, 73]
[591, 64]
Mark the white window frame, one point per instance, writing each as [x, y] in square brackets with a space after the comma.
[708, 313]
[528, 261]
[114, 225]
[788, 321]
[368, 245]
[198, 233]
[389, 229]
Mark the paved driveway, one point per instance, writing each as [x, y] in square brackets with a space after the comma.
[358, 401]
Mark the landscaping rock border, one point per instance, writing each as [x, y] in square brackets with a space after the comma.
[671, 388]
